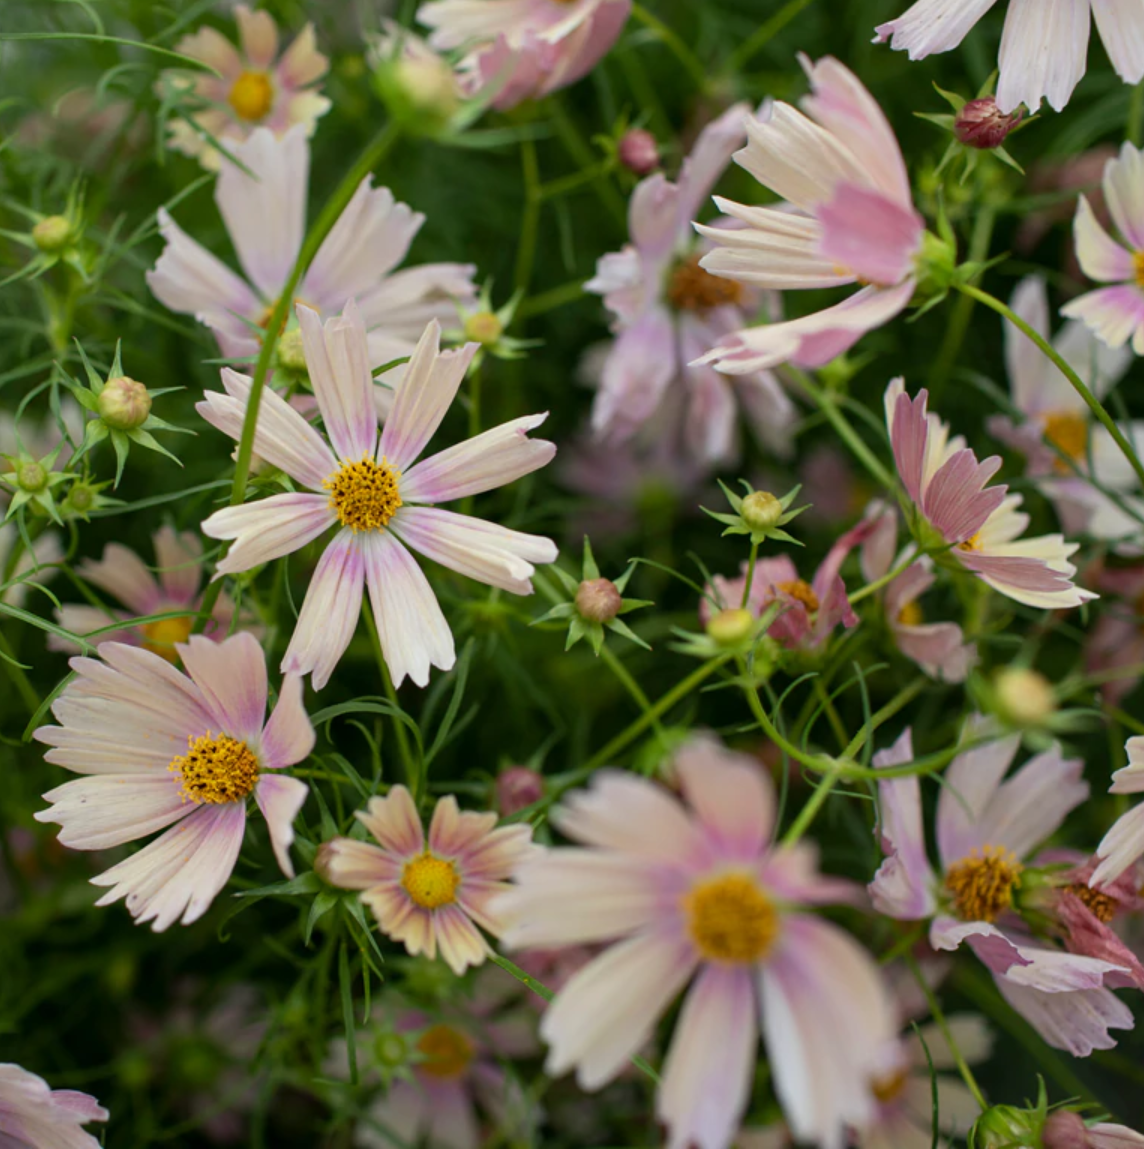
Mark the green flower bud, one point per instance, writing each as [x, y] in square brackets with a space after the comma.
[291, 356]
[730, 627]
[53, 234]
[1024, 697]
[484, 328]
[124, 404]
[31, 477]
[761, 511]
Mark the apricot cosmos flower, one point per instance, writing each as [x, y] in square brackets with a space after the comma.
[695, 887]
[429, 892]
[975, 525]
[378, 499]
[848, 218]
[164, 749]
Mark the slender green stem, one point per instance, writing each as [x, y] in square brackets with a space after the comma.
[817, 762]
[1078, 384]
[888, 577]
[831, 713]
[19, 678]
[673, 41]
[408, 762]
[550, 300]
[530, 222]
[808, 813]
[764, 33]
[751, 563]
[1135, 128]
[630, 685]
[900, 700]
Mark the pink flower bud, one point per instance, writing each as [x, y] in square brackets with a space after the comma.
[323, 860]
[1064, 1130]
[639, 152]
[516, 788]
[597, 600]
[124, 403]
[980, 124]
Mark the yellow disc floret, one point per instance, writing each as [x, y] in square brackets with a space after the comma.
[982, 883]
[692, 288]
[216, 770]
[1138, 267]
[446, 1051]
[160, 637]
[365, 495]
[889, 1088]
[1068, 432]
[430, 881]
[801, 591]
[911, 615]
[730, 919]
[252, 96]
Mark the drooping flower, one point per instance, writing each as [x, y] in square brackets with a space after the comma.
[265, 215]
[35, 1116]
[976, 526]
[1057, 417]
[518, 50]
[939, 648]
[124, 576]
[696, 887]
[1124, 843]
[255, 87]
[1043, 47]
[667, 311]
[848, 218]
[1115, 314]
[429, 892]
[987, 831]
[377, 498]
[163, 749]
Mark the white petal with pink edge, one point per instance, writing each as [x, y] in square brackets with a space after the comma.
[108, 810]
[289, 735]
[268, 528]
[280, 798]
[931, 26]
[232, 676]
[394, 822]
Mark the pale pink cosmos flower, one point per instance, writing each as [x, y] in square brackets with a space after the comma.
[429, 892]
[695, 887]
[1043, 47]
[668, 311]
[160, 749]
[255, 86]
[265, 215]
[1055, 414]
[1123, 845]
[378, 499]
[517, 50]
[939, 648]
[1115, 314]
[848, 218]
[35, 1116]
[978, 525]
[987, 828]
[1065, 1129]
[122, 574]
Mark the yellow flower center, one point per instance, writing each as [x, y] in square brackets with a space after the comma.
[252, 96]
[1138, 267]
[1103, 906]
[160, 637]
[982, 883]
[911, 615]
[1068, 432]
[691, 288]
[802, 591]
[430, 881]
[216, 770]
[447, 1051]
[973, 543]
[730, 919]
[891, 1087]
[365, 495]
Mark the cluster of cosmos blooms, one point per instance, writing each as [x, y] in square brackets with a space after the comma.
[678, 885]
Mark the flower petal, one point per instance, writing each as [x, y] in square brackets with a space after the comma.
[1043, 53]
[280, 798]
[232, 676]
[106, 810]
[289, 736]
[931, 26]
[394, 822]
[267, 529]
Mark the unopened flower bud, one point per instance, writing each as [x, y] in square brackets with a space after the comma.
[428, 83]
[597, 600]
[323, 862]
[31, 477]
[1024, 697]
[1064, 1129]
[730, 627]
[1004, 1126]
[291, 356]
[761, 510]
[483, 328]
[391, 1050]
[52, 234]
[80, 499]
[124, 403]
[638, 151]
[517, 788]
[981, 124]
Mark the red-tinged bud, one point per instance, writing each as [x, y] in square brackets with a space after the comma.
[981, 124]
[597, 600]
[639, 152]
[1064, 1130]
[516, 788]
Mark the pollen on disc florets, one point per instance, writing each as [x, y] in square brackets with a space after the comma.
[216, 770]
[982, 883]
[252, 96]
[160, 637]
[693, 288]
[430, 881]
[365, 494]
[730, 919]
[446, 1052]
[800, 591]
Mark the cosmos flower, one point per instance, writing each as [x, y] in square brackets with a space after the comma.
[1056, 416]
[667, 311]
[939, 648]
[987, 830]
[38, 1117]
[429, 892]
[1043, 47]
[969, 523]
[265, 214]
[124, 576]
[255, 87]
[160, 749]
[1124, 843]
[694, 887]
[379, 501]
[35, 566]
[1115, 314]
[518, 50]
[848, 218]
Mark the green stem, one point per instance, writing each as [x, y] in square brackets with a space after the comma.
[888, 577]
[530, 223]
[631, 686]
[750, 575]
[1135, 128]
[549, 300]
[808, 813]
[764, 33]
[900, 700]
[819, 763]
[673, 41]
[19, 678]
[1078, 384]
